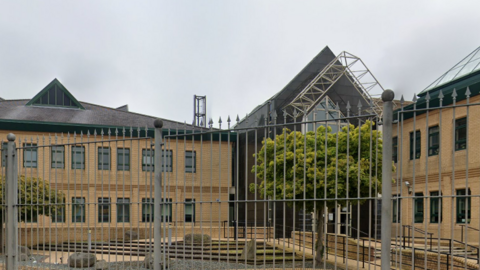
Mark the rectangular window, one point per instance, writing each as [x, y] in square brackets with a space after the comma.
[464, 206]
[78, 157]
[418, 204]
[435, 207]
[190, 161]
[103, 210]
[433, 140]
[123, 159]
[166, 210]
[396, 213]
[104, 158]
[123, 210]
[189, 210]
[461, 134]
[58, 157]
[4, 154]
[147, 209]
[167, 160]
[395, 149]
[58, 212]
[148, 160]
[415, 147]
[30, 155]
[78, 209]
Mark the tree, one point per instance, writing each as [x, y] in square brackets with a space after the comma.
[321, 165]
[36, 197]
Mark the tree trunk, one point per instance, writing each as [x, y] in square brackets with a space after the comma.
[320, 225]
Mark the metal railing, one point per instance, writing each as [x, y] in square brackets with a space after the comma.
[465, 229]
[408, 235]
[117, 198]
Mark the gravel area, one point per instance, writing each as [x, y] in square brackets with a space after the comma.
[180, 264]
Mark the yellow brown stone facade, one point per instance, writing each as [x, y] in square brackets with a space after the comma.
[449, 171]
[105, 174]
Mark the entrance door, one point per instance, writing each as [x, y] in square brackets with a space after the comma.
[345, 219]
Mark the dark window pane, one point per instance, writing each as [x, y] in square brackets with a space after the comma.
[190, 161]
[66, 100]
[148, 160]
[123, 159]
[461, 134]
[59, 96]
[58, 157]
[44, 99]
[30, 155]
[78, 157]
[51, 96]
[189, 210]
[464, 206]
[147, 209]
[166, 210]
[396, 213]
[433, 140]
[123, 210]
[104, 158]
[395, 149]
[103, 210]
[415, 149]
[78, 209]
[435, 207]
[418, 208]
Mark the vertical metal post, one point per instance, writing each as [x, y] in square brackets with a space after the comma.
[387, 98]
[11, 207]
[157, 235]
[89, 239]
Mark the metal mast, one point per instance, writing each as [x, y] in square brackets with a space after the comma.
[200, 111]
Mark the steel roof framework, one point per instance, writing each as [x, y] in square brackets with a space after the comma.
[344, 64]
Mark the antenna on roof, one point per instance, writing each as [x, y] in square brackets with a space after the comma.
[199, 111]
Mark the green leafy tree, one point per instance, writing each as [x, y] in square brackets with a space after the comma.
[298, 166]
[36, 197]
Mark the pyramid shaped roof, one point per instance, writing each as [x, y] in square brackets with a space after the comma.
[466, 66]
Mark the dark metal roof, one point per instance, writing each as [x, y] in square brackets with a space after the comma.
[341, 92]
[291, 90]
[94, 115]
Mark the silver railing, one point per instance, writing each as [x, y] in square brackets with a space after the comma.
[261, 197]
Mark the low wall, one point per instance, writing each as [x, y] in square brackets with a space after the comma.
[33, 236]
[365, 252]
[357, 249]
[405, 257]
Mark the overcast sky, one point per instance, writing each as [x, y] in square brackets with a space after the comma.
[155, 55]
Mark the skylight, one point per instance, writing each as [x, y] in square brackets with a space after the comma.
[468, 65]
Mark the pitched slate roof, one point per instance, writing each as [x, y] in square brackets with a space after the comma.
[342, 92]
[23, 110]
[284, 96]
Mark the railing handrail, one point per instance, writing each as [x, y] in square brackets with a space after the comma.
[469, 227]
[417, 229]
[465, 244]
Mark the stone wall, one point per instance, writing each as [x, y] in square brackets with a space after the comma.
[402, 259]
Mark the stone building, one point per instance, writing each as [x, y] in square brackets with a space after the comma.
[437, 158]
[102, 160]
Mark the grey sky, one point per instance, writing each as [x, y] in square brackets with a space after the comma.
[155, 55]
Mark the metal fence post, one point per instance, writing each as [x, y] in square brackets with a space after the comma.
[157, 236]
[11, 209]
[387, 98]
